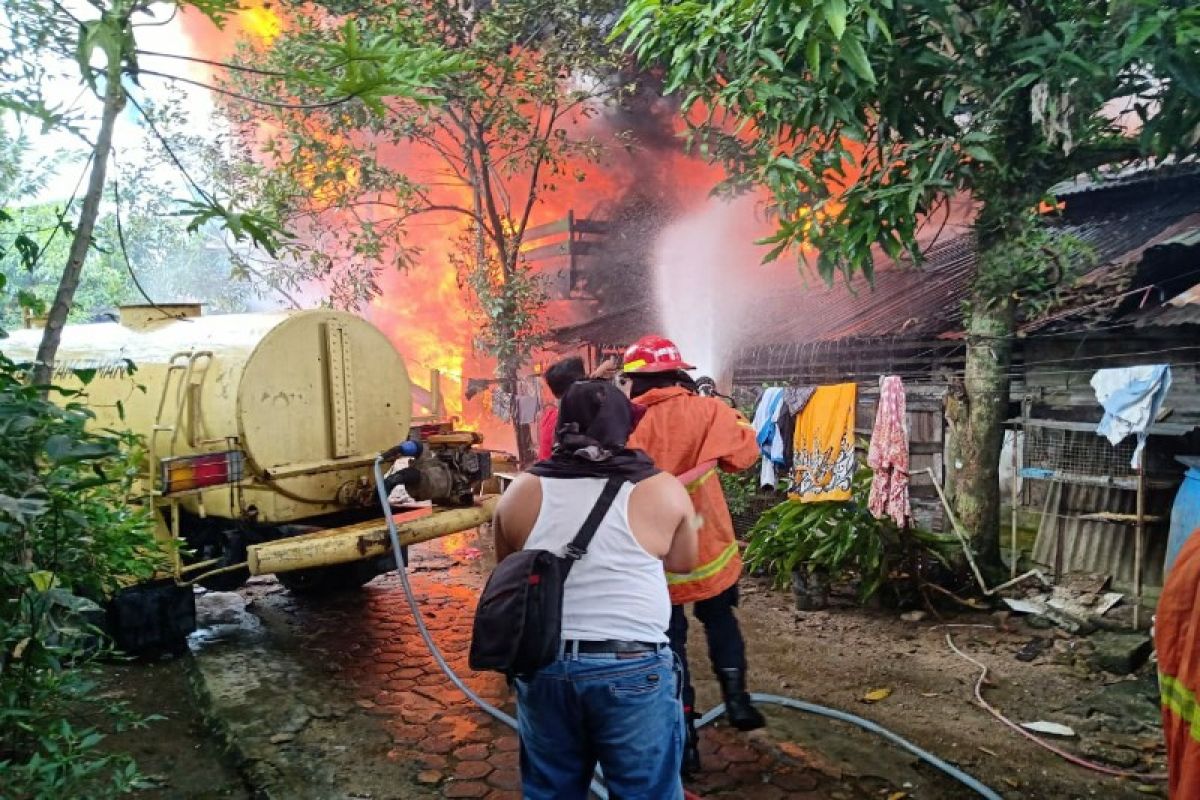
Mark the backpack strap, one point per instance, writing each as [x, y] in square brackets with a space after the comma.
[579, 545]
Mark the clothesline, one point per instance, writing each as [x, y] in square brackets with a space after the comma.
[917, 377]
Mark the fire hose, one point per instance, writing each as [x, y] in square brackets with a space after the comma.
[712, 715]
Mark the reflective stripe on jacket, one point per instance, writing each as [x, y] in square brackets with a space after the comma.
[1177, 640]
[679, 431]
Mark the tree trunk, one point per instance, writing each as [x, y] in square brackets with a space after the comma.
[509, 375]
[976, 417]
[114, 101]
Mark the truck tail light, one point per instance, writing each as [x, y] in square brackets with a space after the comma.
[185, 473]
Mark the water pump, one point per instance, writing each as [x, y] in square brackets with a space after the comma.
[446, 468]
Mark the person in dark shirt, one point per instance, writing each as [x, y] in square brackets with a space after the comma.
[559, 377]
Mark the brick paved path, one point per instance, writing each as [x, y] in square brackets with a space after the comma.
[373, 647]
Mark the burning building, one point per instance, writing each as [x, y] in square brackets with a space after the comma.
[590, 229]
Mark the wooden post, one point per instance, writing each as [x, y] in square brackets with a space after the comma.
[1139, 530]
[438, 408]
[1058, 534]
[1014, 553]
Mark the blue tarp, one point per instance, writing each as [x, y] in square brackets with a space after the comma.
[1185, 515]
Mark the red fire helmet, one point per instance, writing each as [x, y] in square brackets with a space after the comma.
[653, 354]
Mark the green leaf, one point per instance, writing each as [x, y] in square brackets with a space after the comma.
[1148, 28]
[27, 251]
[950, 101]
[812, 52]
[979, 153]
[853, 54]
[772, 58]
[835, 16]
[62, 449]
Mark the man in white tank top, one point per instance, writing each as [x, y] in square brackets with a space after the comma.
[612, 697]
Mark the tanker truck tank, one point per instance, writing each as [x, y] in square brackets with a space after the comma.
[304, 398]
[260, 430]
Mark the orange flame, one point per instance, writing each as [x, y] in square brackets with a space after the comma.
[261, 22]
[425, 311]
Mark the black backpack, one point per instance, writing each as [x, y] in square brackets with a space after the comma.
[518, 623]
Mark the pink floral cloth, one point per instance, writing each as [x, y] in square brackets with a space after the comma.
[888, 455]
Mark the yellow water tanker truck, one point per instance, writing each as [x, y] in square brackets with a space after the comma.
[261, 431]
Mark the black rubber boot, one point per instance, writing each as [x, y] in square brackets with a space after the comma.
[740, 712]
[691, 747]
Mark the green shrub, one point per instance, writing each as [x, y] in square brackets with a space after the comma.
[69, 537]
[740, 488]
[843, 540]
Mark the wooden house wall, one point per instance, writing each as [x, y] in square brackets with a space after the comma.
[1052, 376]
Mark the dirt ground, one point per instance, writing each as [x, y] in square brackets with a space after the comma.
[836, 657]
[363, 646]
[177, 753]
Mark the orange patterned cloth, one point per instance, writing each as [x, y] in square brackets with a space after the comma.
[888, 455]
[823, 445]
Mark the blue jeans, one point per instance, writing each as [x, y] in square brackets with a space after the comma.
[584, 709]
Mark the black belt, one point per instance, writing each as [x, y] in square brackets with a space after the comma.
[612, 646]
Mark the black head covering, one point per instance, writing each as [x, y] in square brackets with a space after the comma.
[594, 422]
[642, 382]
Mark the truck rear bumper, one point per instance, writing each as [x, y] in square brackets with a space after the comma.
[364, 540]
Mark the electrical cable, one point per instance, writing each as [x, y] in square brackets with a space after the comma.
[1058, 751]
[262, 101]
[712, 714]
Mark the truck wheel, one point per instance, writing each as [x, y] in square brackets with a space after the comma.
[324, 580]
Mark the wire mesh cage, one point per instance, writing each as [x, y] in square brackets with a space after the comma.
[1075, 454]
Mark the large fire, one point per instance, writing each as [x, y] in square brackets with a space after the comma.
[425, 310]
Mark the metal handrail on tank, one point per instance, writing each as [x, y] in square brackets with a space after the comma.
[157, 427]
[187, 366]
[184, 365]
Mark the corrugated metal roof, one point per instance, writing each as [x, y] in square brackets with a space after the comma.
[1126, 176]
[926, 302]
[1119, 241]
[1183, 309]
[914, 302]
[618, 328]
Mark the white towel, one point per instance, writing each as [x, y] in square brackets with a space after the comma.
[766, 426]
[1131, 397]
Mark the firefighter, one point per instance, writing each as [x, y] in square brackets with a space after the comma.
[1176, 628]
[681, 431]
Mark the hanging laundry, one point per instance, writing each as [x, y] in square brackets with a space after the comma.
[787, 430]
[1131, 397]
[527, 409]
[768, 435]
[824, 445]
[797, 397]
[888, 454]
[503, 404]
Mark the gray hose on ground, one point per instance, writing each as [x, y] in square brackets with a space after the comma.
[866, 724]
[712, 714]
[402, 570]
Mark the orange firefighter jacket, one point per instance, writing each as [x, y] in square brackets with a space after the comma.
[1177, 640]
[680, 431]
